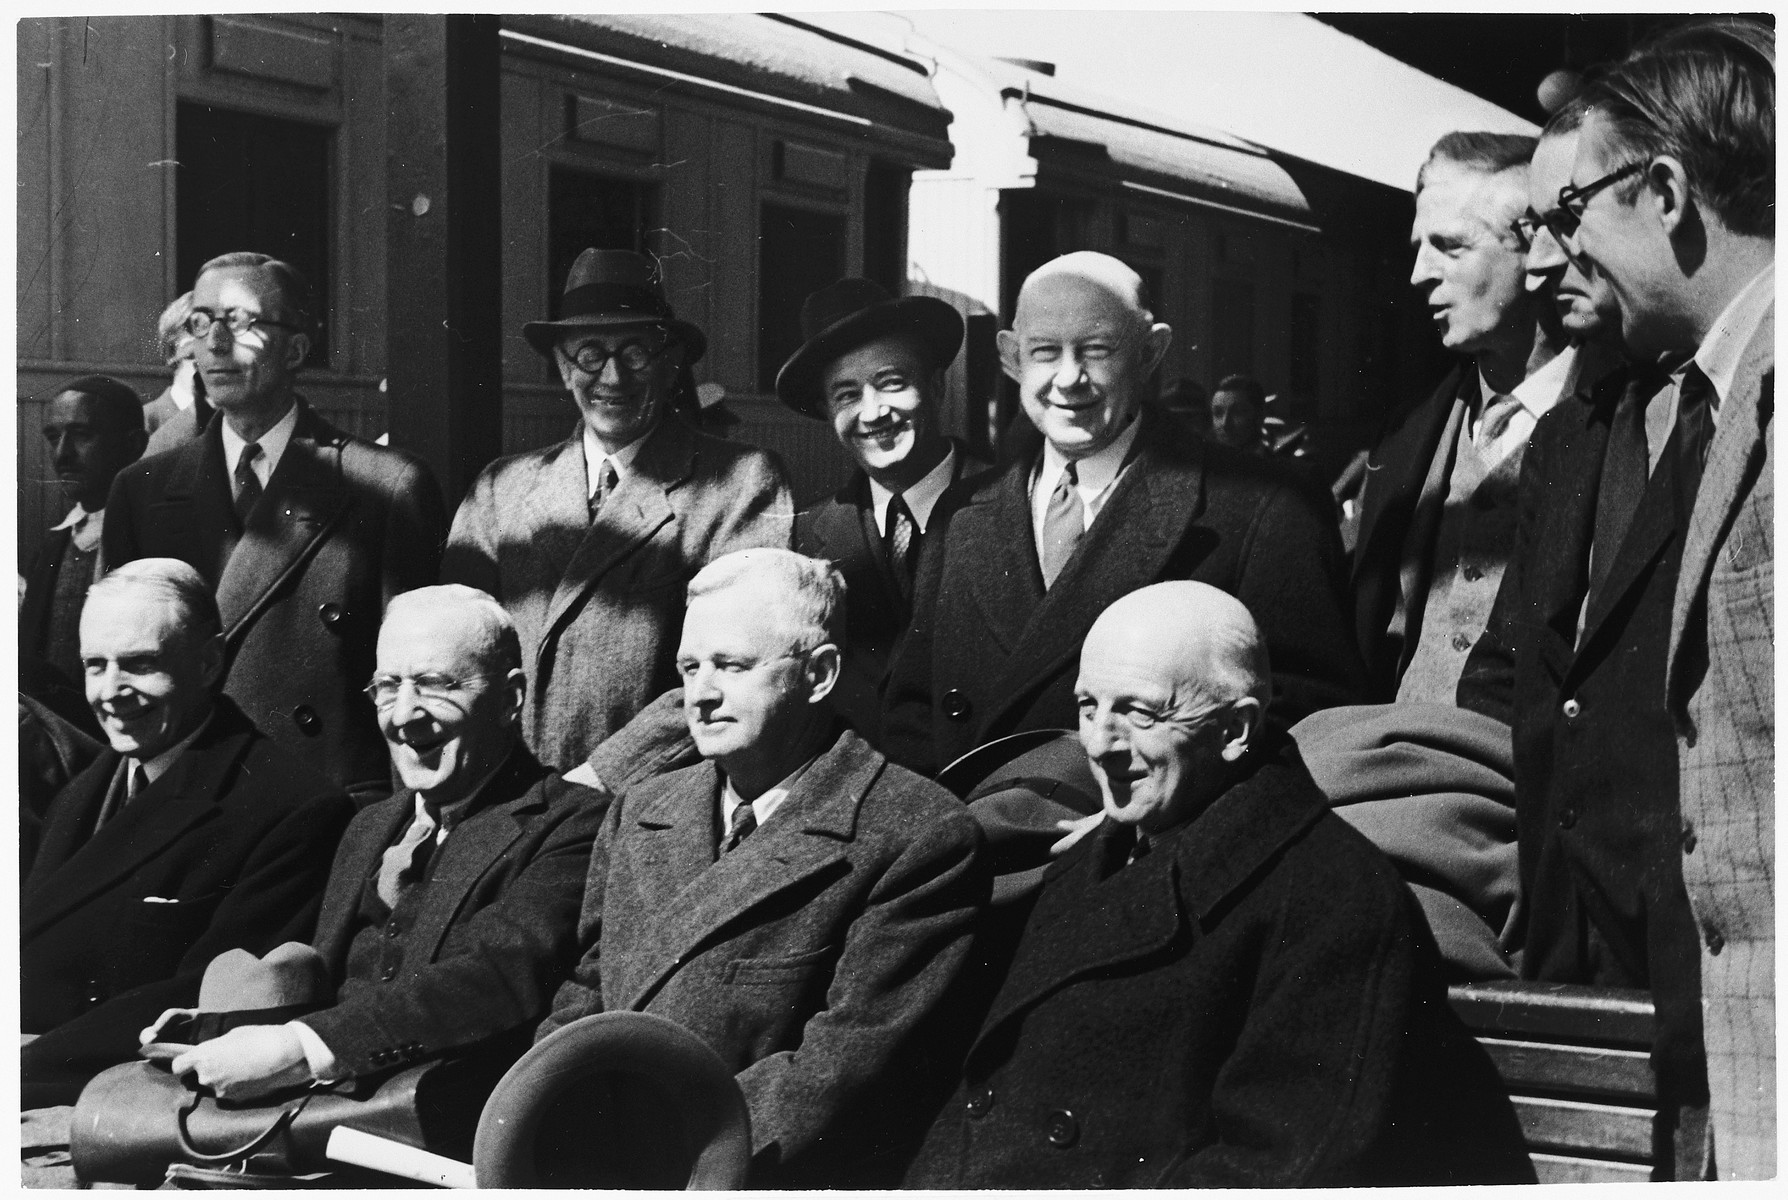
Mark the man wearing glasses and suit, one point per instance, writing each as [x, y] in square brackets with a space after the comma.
[590, 542]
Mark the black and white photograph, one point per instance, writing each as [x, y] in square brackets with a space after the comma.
[1027, 599]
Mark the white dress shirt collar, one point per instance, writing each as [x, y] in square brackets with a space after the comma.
[594, 455]
[1541, 390]
[920, 499]
[273, 446]
[87, 527]
[1732, 331]
[156, 767]
[1094, 477]
[765, 804]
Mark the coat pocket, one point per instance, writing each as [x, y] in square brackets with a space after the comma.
[776, 972]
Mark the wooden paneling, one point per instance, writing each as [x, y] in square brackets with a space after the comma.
[260, 49]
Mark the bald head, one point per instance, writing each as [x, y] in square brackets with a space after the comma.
[1173, 685]
[470, 619]
[1081, 349]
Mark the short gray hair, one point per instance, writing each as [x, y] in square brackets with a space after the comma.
[173, 581]
[501, 646]
[812, 589]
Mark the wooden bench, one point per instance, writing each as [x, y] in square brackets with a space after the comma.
[1577, 1062]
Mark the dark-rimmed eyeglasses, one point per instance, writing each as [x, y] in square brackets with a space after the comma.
[592, 357]
[201, 321]
[1572, 200]
[384, 689]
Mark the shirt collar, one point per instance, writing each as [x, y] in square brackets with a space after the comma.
[449, 817]
[156, 767]
[272, 443]
[1094, 473]
[920, 499]
[1732, 331]
[1542, 389]
[765, 804]
[623, 458]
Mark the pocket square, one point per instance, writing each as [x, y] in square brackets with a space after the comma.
[160, 900]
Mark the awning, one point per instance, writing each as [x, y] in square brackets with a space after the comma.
[757, 60]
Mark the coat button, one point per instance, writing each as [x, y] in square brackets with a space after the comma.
[1061, 1128]
[305, 717]
[1716, 941]
[1572, 709]
[1567, 817]
[391, 929]
[1461, 642]
[981, 1103]
[388, 974]
[329, 614]
[1472, 574]
[1688, 838]
[956, 705]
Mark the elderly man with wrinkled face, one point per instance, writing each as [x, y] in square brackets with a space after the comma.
[1223, 984]
[589, 542]
[1117, 497]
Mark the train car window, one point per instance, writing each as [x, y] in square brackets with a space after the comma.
[885, 191]
[1233, 326]
[799, 252]
[1306, 355]
[252, 182]
[584, 210]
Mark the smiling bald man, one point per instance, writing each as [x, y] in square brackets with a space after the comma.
[1117, 497]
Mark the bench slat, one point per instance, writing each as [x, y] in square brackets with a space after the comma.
[1607, 1016]
[1579, 1125]
[1559, 1168]
[1573, 1070]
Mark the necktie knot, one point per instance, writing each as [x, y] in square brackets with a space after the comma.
[1497, 414]
[743, 823]
[404, 863]
[606, 481]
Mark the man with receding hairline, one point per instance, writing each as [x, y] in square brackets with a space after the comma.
[1118, 496]
[1222, 984]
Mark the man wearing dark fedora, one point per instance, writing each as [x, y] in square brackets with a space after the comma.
[873, 367]
[589, 542]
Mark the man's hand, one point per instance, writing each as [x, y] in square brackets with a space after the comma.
[1073, 831]
[153, 1033]
[248, 1061]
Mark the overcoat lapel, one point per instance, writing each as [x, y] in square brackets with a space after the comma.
[1567, 527]
[1009, 589]
[184, 796]
[467, 854]
[841, 534]
[1397, 469]
[1735, 456]
[196, 503]
[638, 508]
[694, 895]
[305, 497]
[347, 877]
[1654, 522]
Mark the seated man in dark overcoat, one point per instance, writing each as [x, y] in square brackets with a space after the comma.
[1222, 984]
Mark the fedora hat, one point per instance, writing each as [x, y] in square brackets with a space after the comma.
[240, 989]
[606, 288]
[616, 1100]
[1017, 788]
[849, 313]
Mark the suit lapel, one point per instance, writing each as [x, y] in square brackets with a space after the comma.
[305, 497]
[636, 510]
[199, 483]
[1559, 572]
[184, 796]
[1007, 585]
[359, 862]
[1735, 455]
[465, 856]
[71, 816]
[806, 835]
[1654, 522]
[1398, 467]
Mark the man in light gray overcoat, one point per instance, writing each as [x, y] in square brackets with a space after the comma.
[589, 542]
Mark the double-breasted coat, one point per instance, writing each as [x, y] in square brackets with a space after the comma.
[991, 653]
[1720, 688]
[230, 847]
[1255, 1002]
[809, 958]
[491, 934]
[599, 604]
[342, 526]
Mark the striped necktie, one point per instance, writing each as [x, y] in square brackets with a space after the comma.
[744, 821]
[903, 544]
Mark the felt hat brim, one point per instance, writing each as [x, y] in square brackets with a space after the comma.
[937, 326]
[544, 335]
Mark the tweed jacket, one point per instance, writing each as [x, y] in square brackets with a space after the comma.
[342, 526]
[808, 958]
[1395, 472]
[1721, 695]
[230, 847]
[841, 528]
[495, 931]
[1256, 1002]
[599, 605]
[990, 653]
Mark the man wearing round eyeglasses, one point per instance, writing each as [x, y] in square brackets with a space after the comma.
[304, 530]
[1223, 984]
[589, 542]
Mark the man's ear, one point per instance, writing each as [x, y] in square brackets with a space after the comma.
[1008, 344]
[824, 664]
[297, 350]
[1158, 339]
[515, 688]
[1239, 724]
[1668, 191]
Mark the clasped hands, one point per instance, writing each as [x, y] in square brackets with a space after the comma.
[246, 1063]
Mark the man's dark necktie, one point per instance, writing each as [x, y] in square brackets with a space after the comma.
[744, 821]
[248, 484]
[605, 484]
[1694, 431]
[1625, 470]
[1064, 523]
[903, 544]
[127, 788]
[404, 863]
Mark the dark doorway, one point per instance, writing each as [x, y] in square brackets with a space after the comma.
[799, 252]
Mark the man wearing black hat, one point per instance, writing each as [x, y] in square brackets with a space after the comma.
[873, 366]
[590, 542]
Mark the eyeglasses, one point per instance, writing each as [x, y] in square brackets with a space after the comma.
[384, 689]
[1528, 225]
[1564, 220]
[592, 357]
[201, 321]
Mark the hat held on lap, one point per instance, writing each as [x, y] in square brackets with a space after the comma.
[240, 989]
